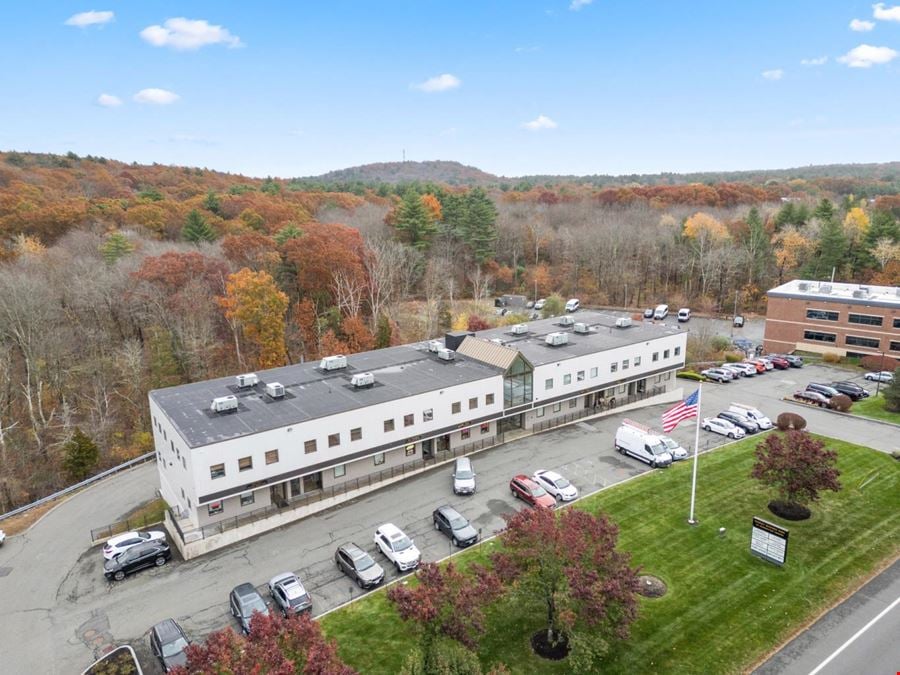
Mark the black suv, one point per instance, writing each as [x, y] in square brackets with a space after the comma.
[851, 389]
[449, 521]
[737, 420]
[137, 558]
[168, 642]
[823, 389]
[358, 565]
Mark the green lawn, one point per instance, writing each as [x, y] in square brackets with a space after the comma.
[725, 608]
[874, 407]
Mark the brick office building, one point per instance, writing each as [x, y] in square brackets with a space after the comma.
[837, 318]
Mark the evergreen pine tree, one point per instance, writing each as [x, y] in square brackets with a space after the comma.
[414, 221]
[825, 211]
[116, 246]
[212, 203]
[383, 332]
[832, 247]
[286, 233]
[196, 229]
[758, 246]
[892, 393]
[480, 224]
[80, 456]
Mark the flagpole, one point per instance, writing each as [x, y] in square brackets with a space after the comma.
[692, 520]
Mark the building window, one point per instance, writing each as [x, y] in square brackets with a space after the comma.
[489, 399]
[379, 458]
[247, 498]
[895, 346]
[677, 353]
[819, 336]
[409, 420]
[245, 463]
[857, 341]
[518, 383]
[182, 493]
[655, 356]
[295, 484]
[165, 437]
[309, 447]
[215, 508]
[410, 449]
[388, 425]
[340, 471]
[455, 407]
[579, 376]
[624, 364]
[613, 367]
[821, 315]
[217, 471]
[573, 402]
[865, 319]
[333, 440]
[548, 383]
[356, 434]
[465, 433]
[557, 407]
[177, 453]
[637, 359]
[271, 456]
[486, 428]
[428, 415]
[668, 376]
[567, 379]
[665, 353]
[540, 412]
[897, 322]
[593, 372]
[473, 403]
[172, 445]
[184, 462]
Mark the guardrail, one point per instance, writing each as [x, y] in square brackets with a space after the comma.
[88, 481]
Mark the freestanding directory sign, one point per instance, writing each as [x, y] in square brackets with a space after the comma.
[768, 541]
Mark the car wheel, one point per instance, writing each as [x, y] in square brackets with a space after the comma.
[455, 543]
[730, 435]
[653, 464]
[359, 582]
[436, 526]
[705, 427]
[160, 561]
[118, 576]
[514, 494]
[397, 565]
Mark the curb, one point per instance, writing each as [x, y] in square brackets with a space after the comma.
[861, 418]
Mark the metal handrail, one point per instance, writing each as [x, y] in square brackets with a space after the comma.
[88, 481]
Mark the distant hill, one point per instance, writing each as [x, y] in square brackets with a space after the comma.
[436, 171]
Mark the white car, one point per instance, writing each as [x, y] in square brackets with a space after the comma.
[123, 542]
[540, 304]
[397, 547]
[674, 449]
[555, 484]
[2, 537]
[734, 369]
[723, 427]
[881, 376]
[748, 369]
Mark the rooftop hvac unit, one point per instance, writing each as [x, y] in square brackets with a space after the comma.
[860, 293]
[825, 288]
[556, 339]
[362, 380]
[623, 322]
[581, 328]
[224, 404]
[497, 341]
[435, 346]
[275, 389]
[333, 362]
[446, 354]
[246, 380]
[519, 329]
[803, 286]
[566, 320]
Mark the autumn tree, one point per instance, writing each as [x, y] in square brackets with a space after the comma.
[554, 305]
[798, 467]
[255, 306]
[568, 563]
[80, 455]
[891, 393]
[196, 229]
[475, 323]
[275, 646]
[758, 247]
[357, 335]
[704, 234]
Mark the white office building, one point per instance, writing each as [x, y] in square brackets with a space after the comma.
[240, 455]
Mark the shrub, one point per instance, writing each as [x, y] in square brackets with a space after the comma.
[841, 402]
[690, 375]
[720, 343]
[734, 357]
[831, 357]
[789, 420]
[872, 362]
[891, 394]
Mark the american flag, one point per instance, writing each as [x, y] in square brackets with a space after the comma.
[683, 411]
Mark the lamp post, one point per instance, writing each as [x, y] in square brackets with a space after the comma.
[878, 379]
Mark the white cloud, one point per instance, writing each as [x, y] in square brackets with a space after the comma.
[775, 74]
[865, 56]
[575, 5]
[819, 61]
[156, 96]
[861, 26]
[443, 82]
[187, 34]
[539, 123]
[109, 101]
[883, 13]
[92, 18]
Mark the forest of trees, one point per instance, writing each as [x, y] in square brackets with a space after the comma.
[116, 279]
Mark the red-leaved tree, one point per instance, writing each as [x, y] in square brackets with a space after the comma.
[275, 646]
[568, 561]
[797, 465]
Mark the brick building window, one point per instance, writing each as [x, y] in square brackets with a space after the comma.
[865, 319]
[819, 336]
[857, 341]
[821, 315]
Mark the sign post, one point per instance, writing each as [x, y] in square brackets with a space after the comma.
[768, 541]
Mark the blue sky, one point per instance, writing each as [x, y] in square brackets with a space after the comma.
[612, 86]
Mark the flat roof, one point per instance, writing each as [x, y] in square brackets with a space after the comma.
[861, 294]
[402, 371]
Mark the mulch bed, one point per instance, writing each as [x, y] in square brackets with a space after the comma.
[789, 510]
[543, 648]
[652, 587]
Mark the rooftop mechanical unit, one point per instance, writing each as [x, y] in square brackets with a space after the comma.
[860, 293]
[360, 380]
[275, 389]
[435, 346]
[335, 362]
[803, 286]
[556, 339]
[623, 322]
[825, 288]
[519, 329]
[224, 404]
[446, 354]
[497, 341]
[566, 320]
[581, 328]
[246, 380]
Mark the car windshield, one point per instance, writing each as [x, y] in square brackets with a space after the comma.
[669, 443]
[458, 523]
[173, 648]
[463, 475]
[658, 448]
[401, 544]
[364, 562]
[561, 483]
[538, 491]
[254, 605]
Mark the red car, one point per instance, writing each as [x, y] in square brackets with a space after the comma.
[759, 365]
[527, 490]
[778, 362]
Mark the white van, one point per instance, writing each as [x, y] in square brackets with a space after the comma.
[573, 304]
[636, 440]
[753, 414]
[661, 312]
[684, 314]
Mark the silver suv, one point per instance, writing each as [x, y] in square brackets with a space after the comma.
[463, 477]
